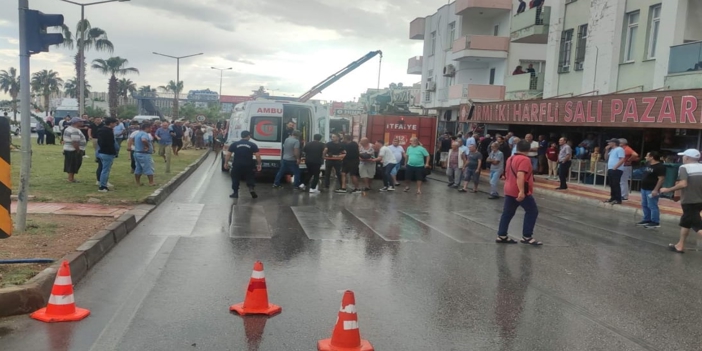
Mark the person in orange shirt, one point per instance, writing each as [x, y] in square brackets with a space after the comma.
[630, 157]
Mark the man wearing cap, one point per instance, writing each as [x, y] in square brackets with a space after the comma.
[630, 156]
[243, 167]
[614, 154]
[73, 148]
[690, 186]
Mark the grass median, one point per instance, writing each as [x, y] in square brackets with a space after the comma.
[48, 182]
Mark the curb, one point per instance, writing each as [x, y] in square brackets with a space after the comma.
[161, 193]
[633, 211]
[34, 294]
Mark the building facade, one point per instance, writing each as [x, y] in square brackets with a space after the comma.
[470, 50]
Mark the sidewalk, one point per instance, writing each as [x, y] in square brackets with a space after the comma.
[73, 209]
[592, 195]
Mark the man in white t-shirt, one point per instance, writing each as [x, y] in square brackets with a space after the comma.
[387, 157]
[533, 152]
[73, 148]
[399, 153]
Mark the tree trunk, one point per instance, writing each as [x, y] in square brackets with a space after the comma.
[46, 103]
[113, 96]
[175, 109]
[77, 63]
[14, 106]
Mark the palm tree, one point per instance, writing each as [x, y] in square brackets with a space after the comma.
[172, 88]
[93, 38]
[146, 90]
[125, 87]
[113, 67]
[71, 87]
[10, 84]
[46, 83]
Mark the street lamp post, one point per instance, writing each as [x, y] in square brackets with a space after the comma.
[221, 72]
[177, 88]
[81, 50]
[177, 91]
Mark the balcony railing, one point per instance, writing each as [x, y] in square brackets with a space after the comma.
[414, 65]
[531, 26]
[523, 82]
[417, 27]
[481, 42]
[464, 6]
[685, 58]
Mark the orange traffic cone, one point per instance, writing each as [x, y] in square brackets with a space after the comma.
[256, 301]
[346, 336]
[61, 306]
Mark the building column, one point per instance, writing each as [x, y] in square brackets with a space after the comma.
[604, 46]
[553, 48]
[671, 32]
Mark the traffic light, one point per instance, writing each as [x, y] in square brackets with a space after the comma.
[38, 40]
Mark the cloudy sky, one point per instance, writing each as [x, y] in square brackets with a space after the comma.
[285, 45]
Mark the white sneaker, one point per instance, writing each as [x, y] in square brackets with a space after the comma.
[302, 187]
[392, 188]
[314, 191]
[109, 185]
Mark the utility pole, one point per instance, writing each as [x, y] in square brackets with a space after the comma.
[221, 72]
[33, 40]
[25, 125]
[176, 93]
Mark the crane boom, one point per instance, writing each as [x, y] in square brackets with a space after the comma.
[338, 75]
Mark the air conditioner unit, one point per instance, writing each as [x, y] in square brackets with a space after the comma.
[579, 66]
[430, 86]
[449, 71]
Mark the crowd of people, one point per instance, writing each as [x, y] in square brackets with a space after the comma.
[143, 140]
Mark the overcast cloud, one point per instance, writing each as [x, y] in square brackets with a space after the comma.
[285, 45]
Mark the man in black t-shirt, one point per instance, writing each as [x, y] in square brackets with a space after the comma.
[654, 175]
[243, 166]
[314, 157]
[333, 154]
[93, 127]
[349, 166]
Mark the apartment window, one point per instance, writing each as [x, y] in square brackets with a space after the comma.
[496, 30]
[452, 33]
[432, 43]
[492, 76]
[653, 30]
[580, 48]
[632, 28]
[566, 47]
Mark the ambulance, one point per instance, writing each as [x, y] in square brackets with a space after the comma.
[269, 123]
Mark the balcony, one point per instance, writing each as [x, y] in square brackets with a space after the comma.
[525, 82]
[477, 92]
[414, 65]
[480, 46]
[685, 67]
[531, 26]
[485, 8]
[417, 27]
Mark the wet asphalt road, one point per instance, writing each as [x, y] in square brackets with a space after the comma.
[425, 269]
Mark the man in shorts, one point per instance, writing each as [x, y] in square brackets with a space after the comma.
[399, 153]
[143, 148]
[349, 166]
[417, 161]
[471, 170]
[690, 186]
[73, 148]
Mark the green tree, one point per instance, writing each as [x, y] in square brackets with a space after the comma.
[71, 87]
[125, 87]
[45, 83]
[146, 90]
[94, 38]
[188, 111]
[113, 67]
[10, 84]
[94, 111]
[171, 87]
[127, 111]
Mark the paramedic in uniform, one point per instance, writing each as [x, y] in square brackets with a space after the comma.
[243, 167]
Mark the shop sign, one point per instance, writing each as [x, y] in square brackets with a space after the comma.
[672, 109]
